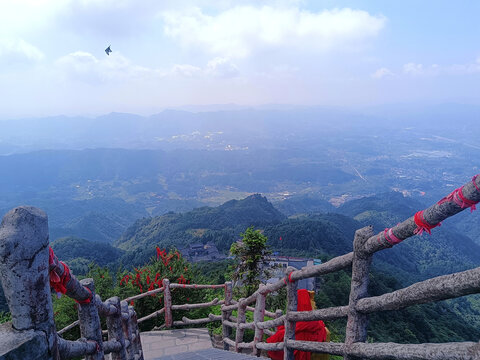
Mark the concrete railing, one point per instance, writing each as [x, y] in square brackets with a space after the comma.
[360, 305]
[24, 270]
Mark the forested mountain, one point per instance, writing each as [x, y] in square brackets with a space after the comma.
[328, 234]
[80, 253]
[303, 204]
[323, 235]
[200, 224]
[331, 234]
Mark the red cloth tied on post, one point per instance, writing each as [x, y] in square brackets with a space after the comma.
[390, 237]
[459, 199]
[304, 330]
[59, 283]
[422, 224]
[87, 300]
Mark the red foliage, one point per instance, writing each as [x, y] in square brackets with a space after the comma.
[138, 280]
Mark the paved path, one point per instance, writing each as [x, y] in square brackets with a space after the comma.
[184, 344]
[208, 354]
[170, 342]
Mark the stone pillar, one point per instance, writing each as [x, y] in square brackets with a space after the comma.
[258, 316]
[291, 306]
[115, 329]
[137, 344]
[24, 272]
[226, 330]
[357, 323]
[90, 327]
[167, 301]
[127, 331]
[241, 318]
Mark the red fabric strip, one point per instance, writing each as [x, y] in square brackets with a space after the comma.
[464, 202]
[87, 300]
[459, 199]
[390, 237]
[290, 277]
[422, 225]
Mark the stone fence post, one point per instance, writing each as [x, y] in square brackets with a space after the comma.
[167, 302]
[24, 275]
[357, 323]
[226, 330]
[90, 327]
[259, 316]
[291, 306]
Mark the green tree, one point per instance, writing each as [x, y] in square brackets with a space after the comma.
[250, 254]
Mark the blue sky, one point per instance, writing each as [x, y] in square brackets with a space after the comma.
[172, 53]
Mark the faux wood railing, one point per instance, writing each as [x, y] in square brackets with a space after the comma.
[24, 271]
[360, 305]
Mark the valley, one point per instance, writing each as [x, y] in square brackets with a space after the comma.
[307, 188]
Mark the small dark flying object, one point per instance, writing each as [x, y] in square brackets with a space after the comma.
[108, 50]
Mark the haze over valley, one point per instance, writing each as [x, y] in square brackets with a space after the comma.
[109, 171]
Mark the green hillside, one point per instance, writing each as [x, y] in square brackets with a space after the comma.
[79, 253]
[180, 229]
[447, 250]
[322, 235]
[303, 204]
[331, 234]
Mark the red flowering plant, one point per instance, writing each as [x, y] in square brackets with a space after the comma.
[164, 265]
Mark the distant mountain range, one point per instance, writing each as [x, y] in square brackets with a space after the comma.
[216, 127]
[96, 176]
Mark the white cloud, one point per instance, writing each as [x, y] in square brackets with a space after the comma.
[382, 73]
[239, 31]
[420, 70]
[85, 67]
[186, 70]
[469, 68]
[217, 67]
[221, 67]
[18, 50]
[19, 17]
[415, 69]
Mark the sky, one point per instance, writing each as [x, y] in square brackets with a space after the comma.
[172, 53]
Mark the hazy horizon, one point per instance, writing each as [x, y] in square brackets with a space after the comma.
[379, 109]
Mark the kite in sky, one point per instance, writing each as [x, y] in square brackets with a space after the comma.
[108, 50]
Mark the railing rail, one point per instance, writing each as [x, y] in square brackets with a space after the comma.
[28, 259]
